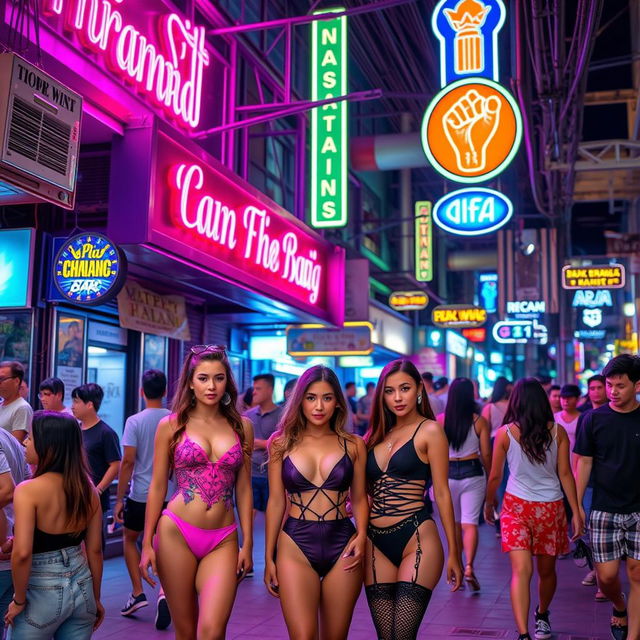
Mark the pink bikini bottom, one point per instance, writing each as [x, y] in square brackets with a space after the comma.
[200, 541]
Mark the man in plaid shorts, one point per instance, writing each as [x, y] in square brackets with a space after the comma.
[609, 444]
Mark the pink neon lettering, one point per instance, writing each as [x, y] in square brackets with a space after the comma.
[174, 80]
[211, 219]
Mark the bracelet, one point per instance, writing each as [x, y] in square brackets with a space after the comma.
[19, 604]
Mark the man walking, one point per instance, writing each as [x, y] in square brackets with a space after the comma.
[100, 442]
[51, 394]
[569, 414]
[15, 411]
[609, 444]
[137, 467]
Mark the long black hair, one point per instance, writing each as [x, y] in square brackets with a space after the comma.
[500, 390]
[458, 415]
[530, 411]
[57, 439]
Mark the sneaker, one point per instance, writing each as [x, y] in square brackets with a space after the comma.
[543, 628]
[590, 579]
[163, 617]
[600, 597]
[133, 604]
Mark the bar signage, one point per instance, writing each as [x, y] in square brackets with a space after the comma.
[602, 276]
[329, 144]
[458, 316]
[423, 242]
[354, 338]
[408, 300]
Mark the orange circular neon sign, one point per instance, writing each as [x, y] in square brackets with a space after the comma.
[471, 130]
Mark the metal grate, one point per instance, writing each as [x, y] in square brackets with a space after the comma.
[39, 136]
[471, 632]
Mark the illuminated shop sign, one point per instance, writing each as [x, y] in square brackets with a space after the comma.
[592, 298]
[354, 338]
[165, 63]
[329, 144]
[472, 212]
[424, 242]
[89, 269]
[458, 316]
[468, 34]
[603, 276]
[526, 308]
[456, 344]
[488, 291]
[590, 334]
[520, 331]
[592, 317]
[16, 267]
[471, 130]
[475, 335]
[408, 300]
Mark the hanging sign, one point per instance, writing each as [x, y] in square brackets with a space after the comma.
[471, 130]
[408, 300]
[89, 269]
[424, 242]
[353, 339]
[602, 276]
[329, 143]
[468, 34]
[520, 331]
[472, 212]
[458, 316]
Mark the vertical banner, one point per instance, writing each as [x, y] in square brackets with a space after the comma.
[70, 352]
[423, 242]
[329, 171]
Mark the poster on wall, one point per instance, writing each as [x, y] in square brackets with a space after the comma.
[15, 338]
[70, 352]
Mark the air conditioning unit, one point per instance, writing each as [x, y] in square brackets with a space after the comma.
[39, 135]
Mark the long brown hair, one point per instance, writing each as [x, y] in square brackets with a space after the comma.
[57, 439]
[183, 401]
[382, 418]
[293, 423]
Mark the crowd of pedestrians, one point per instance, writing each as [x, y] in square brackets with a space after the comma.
[347, 484]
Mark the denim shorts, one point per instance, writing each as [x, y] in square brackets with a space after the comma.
[60, 600]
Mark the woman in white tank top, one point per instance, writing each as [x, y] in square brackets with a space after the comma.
[469, 458]
[533, 519]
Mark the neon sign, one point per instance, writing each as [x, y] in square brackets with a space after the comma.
[520, 332]
[471, 130]
[472, 211]
[458, 316]
[424, 242]
[488, 291]
[329, 144]
[592, 298]
[468, 34]
[170, 72]
[475, 335]
[408, 300]
[603, 276]
[354, 338]
[89, 269]
[526, 308]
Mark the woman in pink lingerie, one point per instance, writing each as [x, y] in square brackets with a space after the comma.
[195, 551]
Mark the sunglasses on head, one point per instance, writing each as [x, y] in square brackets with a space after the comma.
[199, 349]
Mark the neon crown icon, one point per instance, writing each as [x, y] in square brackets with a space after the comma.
[469, 15]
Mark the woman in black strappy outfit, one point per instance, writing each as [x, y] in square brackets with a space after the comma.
[406, 448]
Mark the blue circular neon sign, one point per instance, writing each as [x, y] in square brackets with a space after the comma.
[89, 269]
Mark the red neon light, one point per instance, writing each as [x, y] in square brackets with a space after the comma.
[170, 73]
[251, 234]
[475, 335]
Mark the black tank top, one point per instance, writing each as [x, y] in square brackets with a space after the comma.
[44, 542]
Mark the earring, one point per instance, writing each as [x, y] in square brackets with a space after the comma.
[419, 398]
[226, 399]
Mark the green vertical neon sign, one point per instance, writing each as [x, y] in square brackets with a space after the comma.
[329, 171]
[423, 242]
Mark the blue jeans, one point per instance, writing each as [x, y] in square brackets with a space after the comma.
[60, 600]
[6, 594]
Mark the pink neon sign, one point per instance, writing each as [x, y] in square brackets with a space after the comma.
[228, 228]
[169, 70]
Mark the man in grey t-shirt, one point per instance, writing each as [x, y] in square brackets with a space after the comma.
[137, 467]
[13, 470]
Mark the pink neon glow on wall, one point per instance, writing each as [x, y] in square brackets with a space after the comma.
[202, 208]
[167, 67]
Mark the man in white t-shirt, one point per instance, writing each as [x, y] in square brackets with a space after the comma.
[137, 467]
[568, 416]
[15, 412]
[51, 395]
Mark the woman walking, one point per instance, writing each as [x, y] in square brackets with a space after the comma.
[533, 518]
[195, 550]
[315, 466]
[469, 459]
[406, 448]
[57, 586]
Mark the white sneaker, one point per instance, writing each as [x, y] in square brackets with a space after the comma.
[590, 579]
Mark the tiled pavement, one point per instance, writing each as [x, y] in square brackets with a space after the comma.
[575, 614]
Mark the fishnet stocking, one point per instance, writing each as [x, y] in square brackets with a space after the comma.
[381, 599]
[410, 605]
